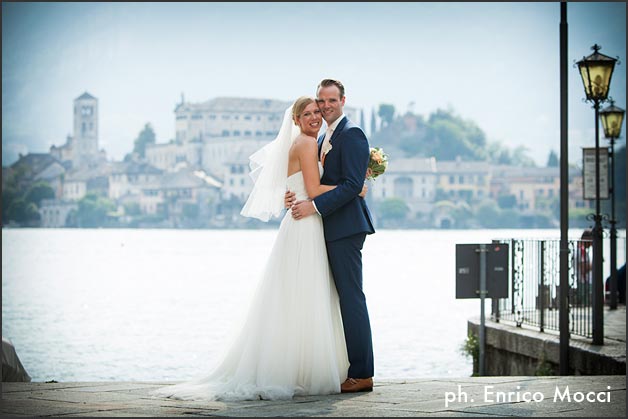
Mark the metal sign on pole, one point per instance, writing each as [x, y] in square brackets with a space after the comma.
[468, 270]
[481, 272]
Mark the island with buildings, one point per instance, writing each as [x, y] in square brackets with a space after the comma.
[200, 179]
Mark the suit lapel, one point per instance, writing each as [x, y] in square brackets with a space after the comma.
[339, 128]
[320, 145]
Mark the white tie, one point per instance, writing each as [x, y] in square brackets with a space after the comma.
[326, 143]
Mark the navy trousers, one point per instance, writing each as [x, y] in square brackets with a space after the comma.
[345, 258]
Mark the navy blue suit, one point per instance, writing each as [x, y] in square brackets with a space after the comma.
[347, 221]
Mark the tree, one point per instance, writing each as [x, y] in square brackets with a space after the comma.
[412, 140]
[190, 211]
[451, 142]
[552, 159]
[506, 201]
[521, 158]
[146, 136]
[450, 136]
[495, 152]
[9, 194]
[393, 209]
[92, 210]
[132, 208]
[20, 202]
[578, 217]
[23, 212]
[443, 135]
[39, 191]
[488, 214]
[386, 112]
[463, 215]
[509, 218]
[373, 122]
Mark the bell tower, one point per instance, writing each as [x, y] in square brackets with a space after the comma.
[85, 129]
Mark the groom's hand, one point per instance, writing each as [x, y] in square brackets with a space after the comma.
[289, 199]
[365, 189]
[302, 209]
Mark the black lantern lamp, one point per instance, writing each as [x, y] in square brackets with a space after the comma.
[612, 120]
[596, 71]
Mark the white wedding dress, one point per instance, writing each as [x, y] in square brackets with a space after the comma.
[292, 340]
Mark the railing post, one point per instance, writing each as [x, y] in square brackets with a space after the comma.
[512, 276]
[495, 309]
[542, 290]
[495, 301]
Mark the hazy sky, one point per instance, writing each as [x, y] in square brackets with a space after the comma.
[494, 63]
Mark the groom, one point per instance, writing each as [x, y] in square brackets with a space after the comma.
[344, 152]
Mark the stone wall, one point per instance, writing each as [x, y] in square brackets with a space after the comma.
[516, 351]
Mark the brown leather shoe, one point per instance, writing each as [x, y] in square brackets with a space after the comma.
[354, 385]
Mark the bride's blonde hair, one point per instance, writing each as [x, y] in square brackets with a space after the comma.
[299, 105]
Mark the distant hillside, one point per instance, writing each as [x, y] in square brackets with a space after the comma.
[443, 135]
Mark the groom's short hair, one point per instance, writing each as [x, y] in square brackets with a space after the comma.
[332, 82]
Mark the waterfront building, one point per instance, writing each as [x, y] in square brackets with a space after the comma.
[53, 175]
[467, 181]
[128, 178]
[231, 117]
[411, 179]
[209, 133]
[237, 182]
[32, 167]
[56, 213]
[535, 188]
[188, 194]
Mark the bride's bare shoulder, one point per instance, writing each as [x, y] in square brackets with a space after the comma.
[303, 139]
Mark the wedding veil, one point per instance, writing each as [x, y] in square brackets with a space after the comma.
[269, 171]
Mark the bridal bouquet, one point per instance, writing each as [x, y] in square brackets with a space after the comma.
[378, 162]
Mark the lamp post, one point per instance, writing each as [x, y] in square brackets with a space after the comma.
[596, 71]
[612, 118]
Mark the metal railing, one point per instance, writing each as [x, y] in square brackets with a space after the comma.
[534, 284]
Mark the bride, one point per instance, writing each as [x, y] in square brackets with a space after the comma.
[292, 340]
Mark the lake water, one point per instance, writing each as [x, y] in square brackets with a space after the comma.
[133, 305]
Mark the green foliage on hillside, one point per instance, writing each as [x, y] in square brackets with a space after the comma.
[21, 201]
[443, 135]
[93, 209]
[145, 137]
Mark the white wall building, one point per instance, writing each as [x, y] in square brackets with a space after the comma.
[74, 188]
[167, 156]
[468, 181]
[237, 182]
[411, 179]
[54, 213]
[210, 133]
[228, 117]
[128, 178]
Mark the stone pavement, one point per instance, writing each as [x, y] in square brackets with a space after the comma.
[476, 396]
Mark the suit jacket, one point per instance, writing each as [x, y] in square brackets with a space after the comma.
[344, 212]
